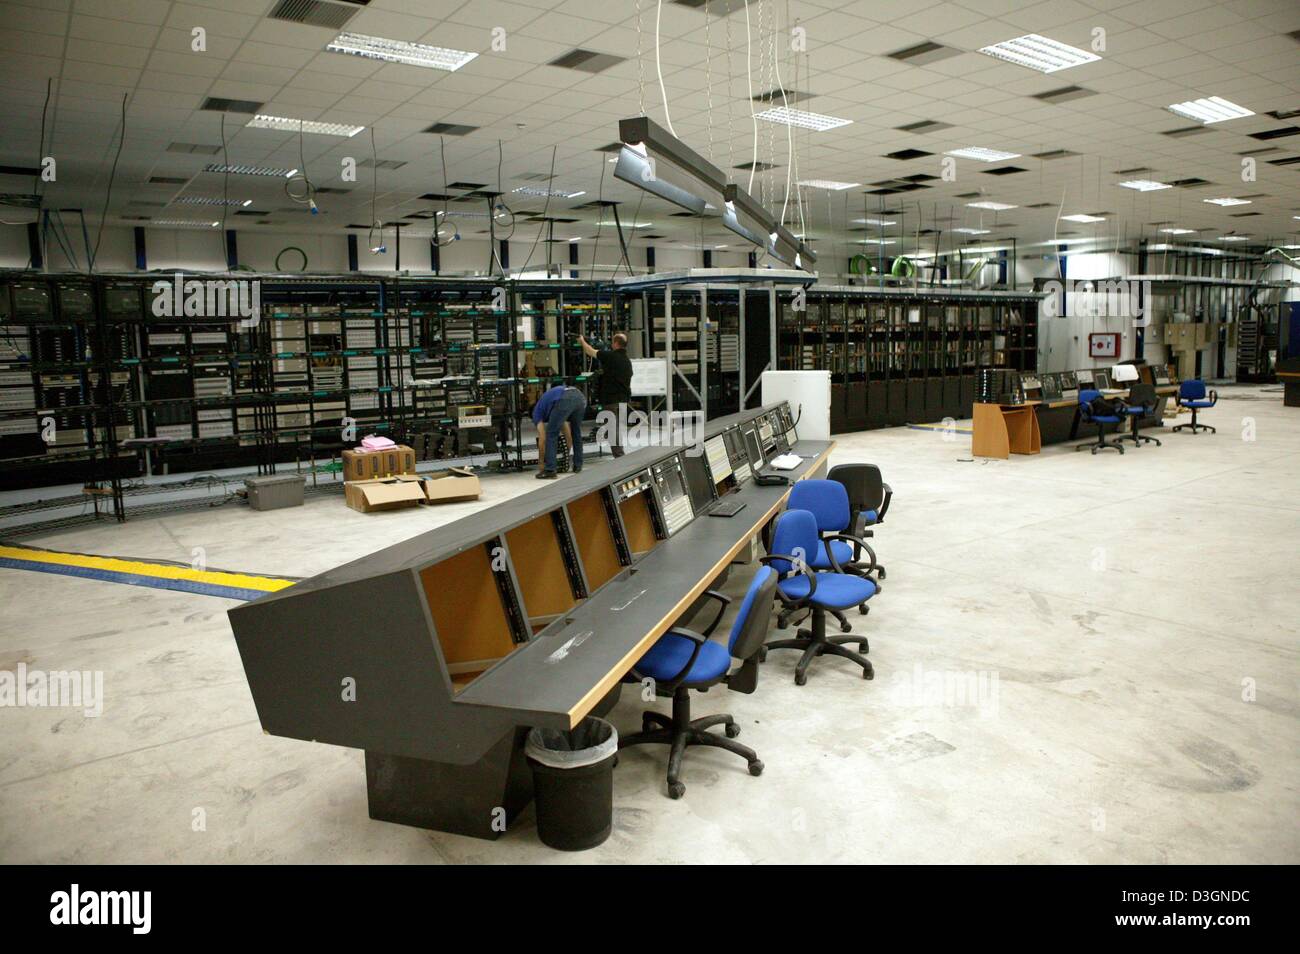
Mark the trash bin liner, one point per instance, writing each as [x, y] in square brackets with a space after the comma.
[573, 781]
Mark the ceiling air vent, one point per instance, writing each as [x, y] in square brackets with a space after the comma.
[924, 53]
[785, 98]
[1003, 171]
[924, 126]
[759, 166]
[221, 105]
[1276, 133]
[316, 12]
[168, 180]
[1054, 154]
[1185, 131]
[194, 148]
[588, 61]
[450, 129]
[1288, 161]
[20, 171]
[381, 164]
[908, 154]
[1064, 94]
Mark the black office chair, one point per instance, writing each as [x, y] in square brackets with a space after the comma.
[1142, 401]
[869, 498]
[683, 660]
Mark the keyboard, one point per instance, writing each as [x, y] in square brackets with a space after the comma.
[727, 508]
[785, 462]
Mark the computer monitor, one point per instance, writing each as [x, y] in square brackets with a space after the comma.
[755, 449]
[698, 479]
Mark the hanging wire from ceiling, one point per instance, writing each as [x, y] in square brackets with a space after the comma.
[640, 63]
[380, 248]
[307, 196]
[108, 193]
[789, 128]
[225, 181]
[749, 81]
[663, 92]
[545, 208]
[600, 217]
[445, 223]
[708, 71]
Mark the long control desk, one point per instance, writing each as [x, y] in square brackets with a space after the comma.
[999, 430]
[437, 654]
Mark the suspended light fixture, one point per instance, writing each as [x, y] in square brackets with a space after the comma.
[655, 160]
[745, 216]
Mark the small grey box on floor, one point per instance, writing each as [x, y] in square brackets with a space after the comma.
[275, 492]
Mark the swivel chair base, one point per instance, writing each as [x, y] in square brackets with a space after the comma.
[814, 642]
[1139, 439]
[681, 731]
[1194, 427]
[1102, 445]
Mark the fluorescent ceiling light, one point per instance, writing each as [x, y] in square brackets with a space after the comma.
[553, 193]
[1081, 217]
[1178, 231]
[982, 154]
[210, 200]
[745, 216]
[1039, 53]
[399, 51]
[883, 222]
[285, 124]
[655, 160]
[798, 117]
[235, 170]
[1234, 238]
[627, 225]
[994, 206]
[876, 242]
[1213, 109]
[1144, 185]
[829, 184]
[1227, 200]
[182, 224]
[973, 231]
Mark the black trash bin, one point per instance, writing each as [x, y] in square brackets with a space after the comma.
[573, 782]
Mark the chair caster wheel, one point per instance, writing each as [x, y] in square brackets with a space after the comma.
[756, 767]
[615, 760]
[868, 674]
[732, 730]
[863, 609]
[782, 624]
[864, 647]
[676, 789]
[800, 678]
[762, 654]
[882, 573]
[845, 628]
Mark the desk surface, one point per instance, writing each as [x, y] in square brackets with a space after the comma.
[559, 676]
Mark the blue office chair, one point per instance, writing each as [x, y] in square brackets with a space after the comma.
[1141, 403]
[793, 542]
[1192, 394]
[1101, 420]
[683, 660]
[869, 498]
[842, 551]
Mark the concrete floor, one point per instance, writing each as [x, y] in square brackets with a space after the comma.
[1130, 621]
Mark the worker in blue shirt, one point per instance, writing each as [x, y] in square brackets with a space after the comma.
[559, 406]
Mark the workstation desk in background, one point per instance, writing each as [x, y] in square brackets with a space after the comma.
[999, 430]
[437, 654]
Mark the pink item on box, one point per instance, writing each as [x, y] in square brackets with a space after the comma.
[374, 443]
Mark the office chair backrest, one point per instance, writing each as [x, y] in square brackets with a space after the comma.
[796, 535]
[1088, 396]
[864, 483]
[826, 500]
[1192, 390]
[750, 629]
[1144, 394]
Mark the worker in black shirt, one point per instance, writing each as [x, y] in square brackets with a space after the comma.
[615, 383]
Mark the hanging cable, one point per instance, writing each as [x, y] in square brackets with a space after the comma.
[749, 80]
[663, 92]
[789, 128]
[307, 196]
[640, 63]
[108, 193]
[440, 224]
[225, 183]
[380, 248]
[546, 206]
[600, 219]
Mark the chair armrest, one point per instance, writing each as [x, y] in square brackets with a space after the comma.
[794, 571]
[889, 495]
[1214, 398]
[858, 546]
[723, 602]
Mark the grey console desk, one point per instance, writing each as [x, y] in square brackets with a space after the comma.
[436, 655]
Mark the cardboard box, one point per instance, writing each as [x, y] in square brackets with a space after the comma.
[448, 486]
[369, 465]
[384, 493]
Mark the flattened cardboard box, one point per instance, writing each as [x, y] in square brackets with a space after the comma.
[385, 493]
[447, 486]
[369, 465]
